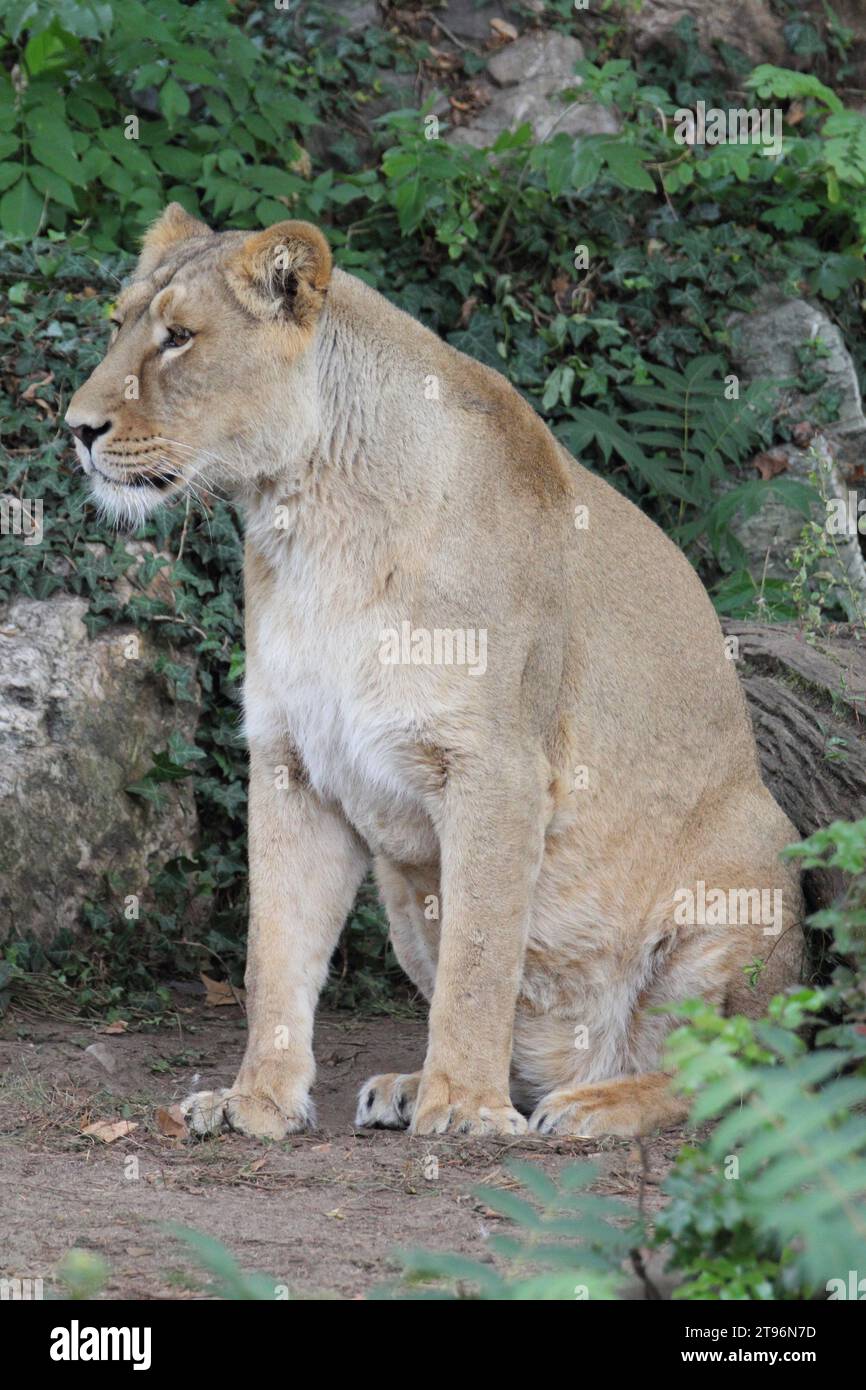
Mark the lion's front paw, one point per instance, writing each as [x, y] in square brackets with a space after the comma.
[388, 1101]
[205, 1112]
[443, 1107]
[261, 1117]
[245, 1111]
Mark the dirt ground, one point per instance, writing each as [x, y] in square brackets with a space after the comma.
[321, 1213]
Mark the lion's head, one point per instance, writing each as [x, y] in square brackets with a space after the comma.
[207, 377]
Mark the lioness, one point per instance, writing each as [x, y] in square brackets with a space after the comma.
[529, 726]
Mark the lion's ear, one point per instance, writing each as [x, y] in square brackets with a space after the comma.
[282, 273]
[173, 225]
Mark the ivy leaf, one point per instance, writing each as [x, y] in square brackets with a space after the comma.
[835, 274]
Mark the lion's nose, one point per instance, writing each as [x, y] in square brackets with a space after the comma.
[88, 434]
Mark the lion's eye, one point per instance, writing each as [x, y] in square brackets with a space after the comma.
[175, 338]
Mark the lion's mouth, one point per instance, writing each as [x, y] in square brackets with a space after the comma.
[159, 481]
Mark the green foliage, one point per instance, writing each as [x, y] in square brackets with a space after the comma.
[781, 1180]
[682, 442]
[109, 110]
[625, 351]
[842, 847]
[570, 1244]
[830, 160]
[228, 1279]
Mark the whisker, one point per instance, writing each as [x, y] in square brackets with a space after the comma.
[235, 470]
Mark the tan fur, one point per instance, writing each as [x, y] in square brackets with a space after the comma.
[531, 819]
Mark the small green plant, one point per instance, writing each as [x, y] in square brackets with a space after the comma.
[820, 580]
[228, 1279]
[776, 1197]
[82, 1274]
[570, 1243]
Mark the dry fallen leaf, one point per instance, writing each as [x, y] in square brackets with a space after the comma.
[30, 391]
[120, 1025]
[170, 1122]
[220, 992]
[771, 463]
[467, 309]
[503, 29]
[802, 433]
[109, 1130]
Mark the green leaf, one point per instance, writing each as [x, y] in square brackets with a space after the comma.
[21, 211]
[771, 81]
[624, 163]
[54, 48]
[9, 173]
[173, 101]
[46, 181]
[62, 159]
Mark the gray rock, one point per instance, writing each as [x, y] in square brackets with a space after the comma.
[79, 721]
[530, 75]
[549, 55]
[766, 343]
[471, 21]
[745, 24]
[769, 537]
[352, 16]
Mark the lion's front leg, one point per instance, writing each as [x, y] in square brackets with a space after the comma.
[305, 867]
[491, 837]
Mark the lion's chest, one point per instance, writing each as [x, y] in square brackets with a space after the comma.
[319, 680]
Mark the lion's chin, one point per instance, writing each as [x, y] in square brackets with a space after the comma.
[127, 503]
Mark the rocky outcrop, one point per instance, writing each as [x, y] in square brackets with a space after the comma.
[79, 721]
[749, 25]
[528, 78]
[767, 344]
[768, 341]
